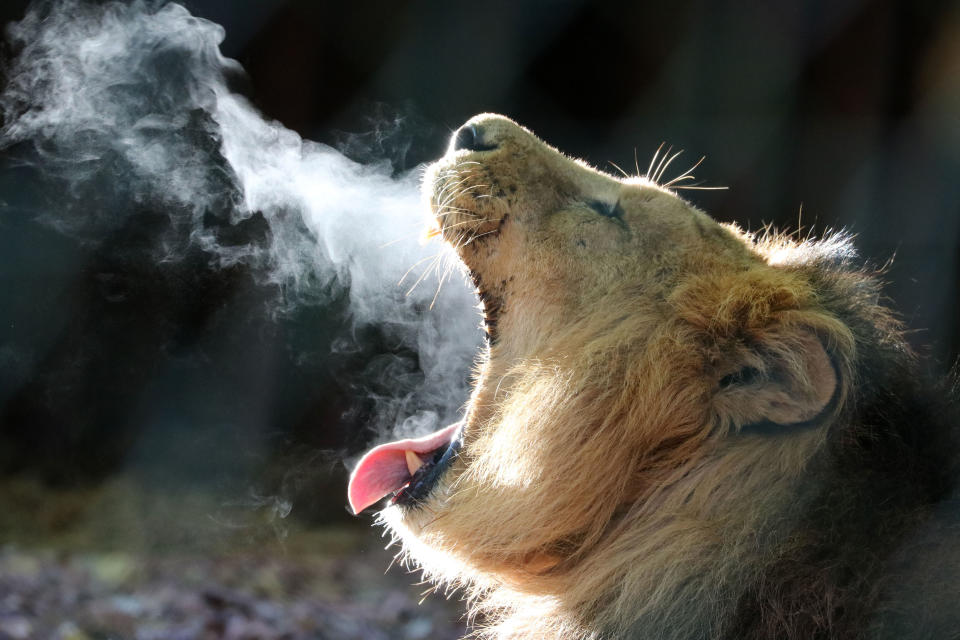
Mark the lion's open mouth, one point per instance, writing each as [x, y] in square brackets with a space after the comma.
[409, 469]
[492, 305]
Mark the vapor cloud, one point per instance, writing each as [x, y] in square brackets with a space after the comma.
[127, 103]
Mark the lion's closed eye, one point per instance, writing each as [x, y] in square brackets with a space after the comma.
[606, 209]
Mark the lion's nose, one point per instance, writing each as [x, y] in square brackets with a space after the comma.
[466, 137]
[473, 137]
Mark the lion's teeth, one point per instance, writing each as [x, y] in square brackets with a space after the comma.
[413, 461]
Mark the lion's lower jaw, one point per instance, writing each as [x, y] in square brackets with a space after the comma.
[677, 609]
[619, 592]
[665, 576]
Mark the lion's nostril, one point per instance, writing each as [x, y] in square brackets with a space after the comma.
[466, 137]
[471, 138]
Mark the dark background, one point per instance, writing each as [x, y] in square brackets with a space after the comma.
[176, 374]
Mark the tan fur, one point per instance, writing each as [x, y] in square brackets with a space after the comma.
[602, 481]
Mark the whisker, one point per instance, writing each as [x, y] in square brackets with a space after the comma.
[424, 274]
[415, 265]
[403, 237]
[678, 179]
[450, 184]
[663, 158]
[454, 225]
[456, 194]
[445, 203]
[617, 167]
[654, 159]
[688, 174]
[406, 236]
[480, 235]
[447, 209]
[420, 233]
[472, 187]
[443, 278]
[667, 164]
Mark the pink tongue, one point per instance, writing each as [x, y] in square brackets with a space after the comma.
[383, 469]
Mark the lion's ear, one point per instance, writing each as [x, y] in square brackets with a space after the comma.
[788, 379]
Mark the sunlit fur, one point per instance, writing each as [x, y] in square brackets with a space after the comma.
[663, 416]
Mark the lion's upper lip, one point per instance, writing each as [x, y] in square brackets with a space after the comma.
[385, 469]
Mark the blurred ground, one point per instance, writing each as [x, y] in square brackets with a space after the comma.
[96, 564]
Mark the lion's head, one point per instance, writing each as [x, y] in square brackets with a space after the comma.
[656, 390]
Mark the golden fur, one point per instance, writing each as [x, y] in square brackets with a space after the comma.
[618, 464]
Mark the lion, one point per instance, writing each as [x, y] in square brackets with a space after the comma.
[677, 429]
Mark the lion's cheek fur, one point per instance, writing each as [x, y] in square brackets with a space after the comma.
[564, 447]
